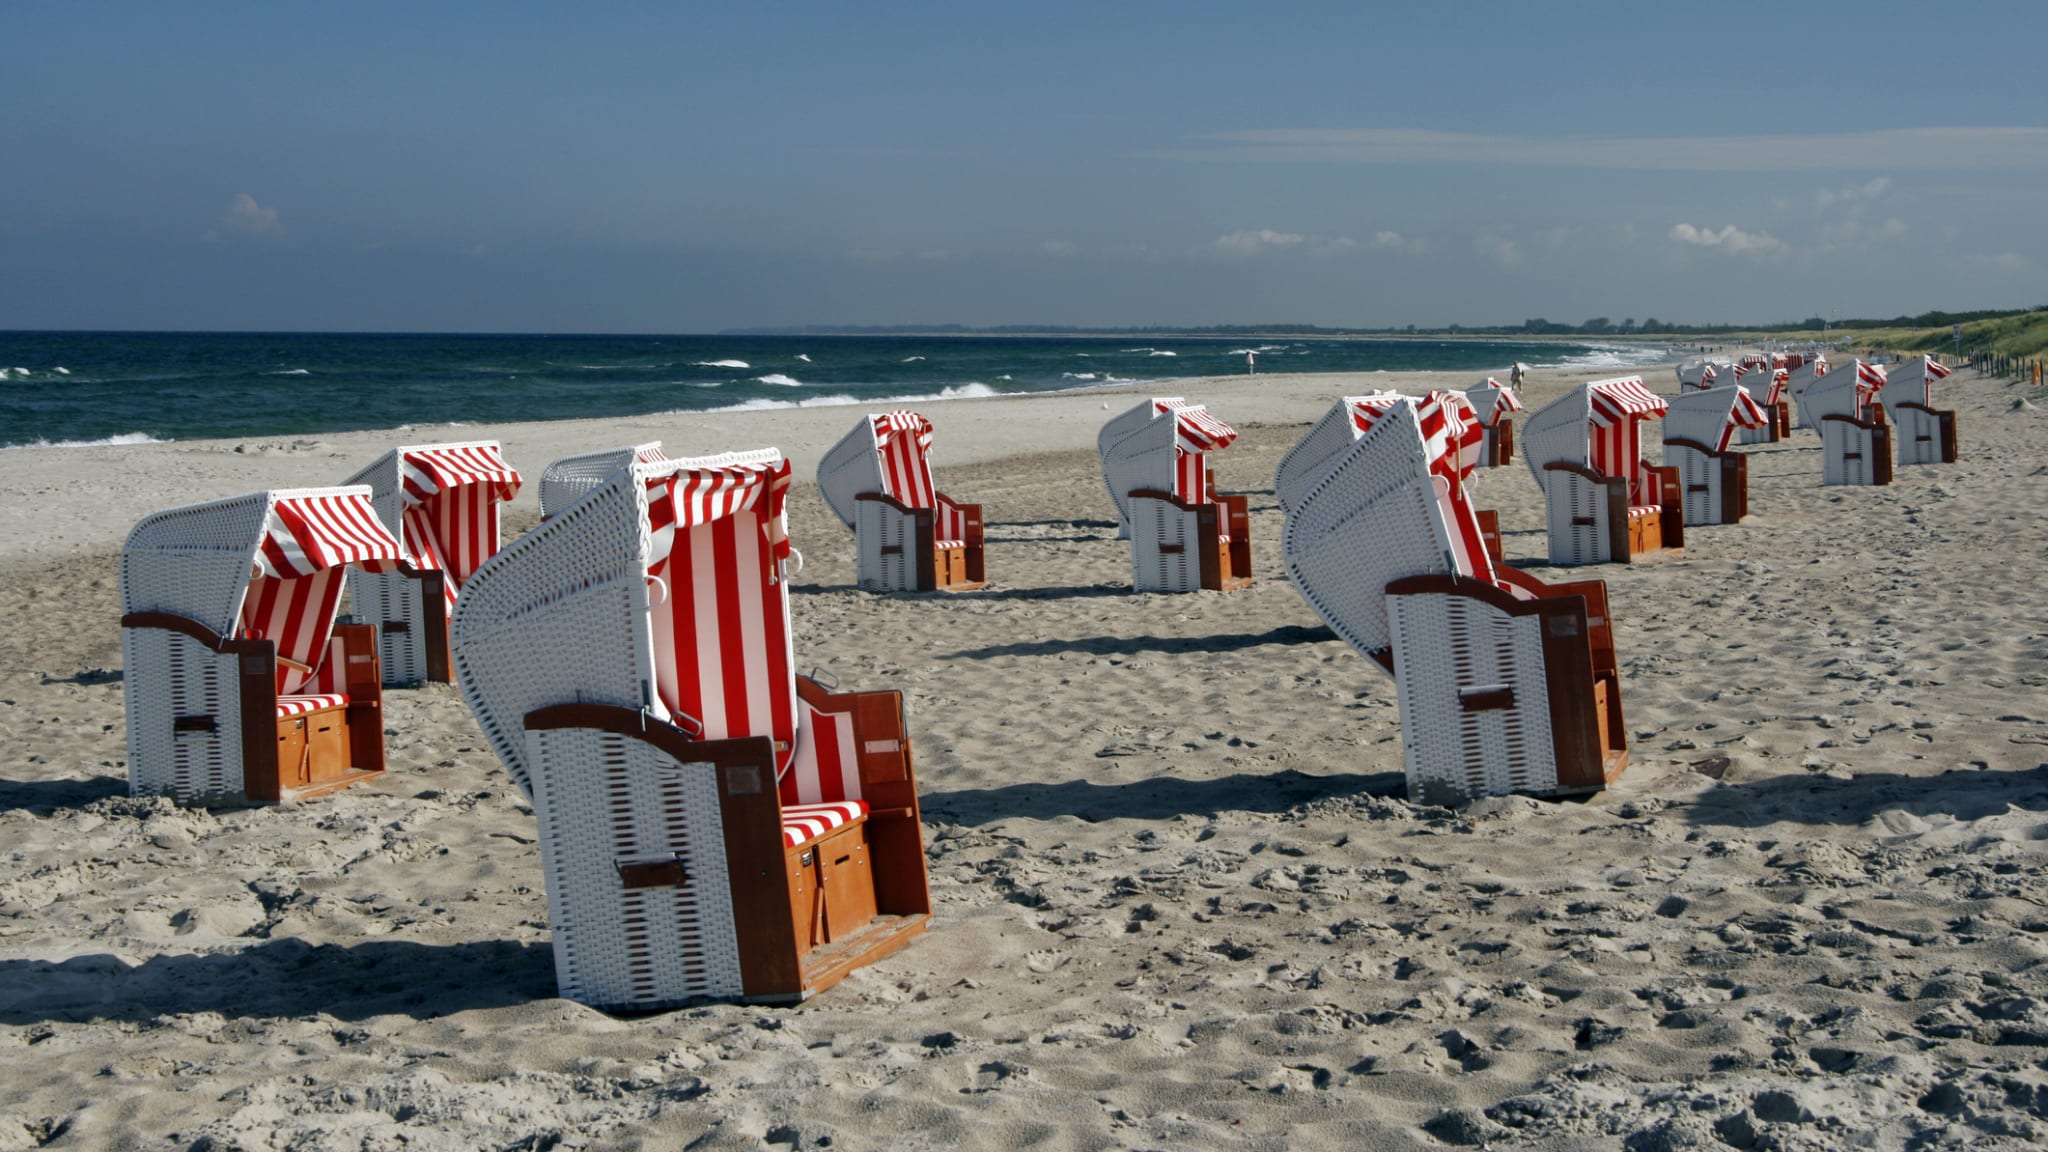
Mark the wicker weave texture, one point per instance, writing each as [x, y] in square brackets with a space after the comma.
[1832, 395]
[1919, 433]
[604, 800]
[571, 478]
[1556, 433]
[384, 598]
[169, 675]
[195, 560]
[885, 539]
[1578, 517]
[1847, 452]
[1313, 454]
[1445, 647]
[1142, 459]
[1112, 433]
[1166, 545]
[558, 616]
[849, 468]
[1371, 519]
[1699, 479]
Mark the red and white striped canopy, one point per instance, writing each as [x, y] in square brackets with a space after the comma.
[1451, 433]
[1367, 410]
[1869, 382]
[1936, 369]
[1503, 402]
[308, 534]
[903, 443]
[429, 472]
[691, 496]
[1197, 431]
[1744, 413]
[1615, 401]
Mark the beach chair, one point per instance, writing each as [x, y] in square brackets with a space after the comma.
[712, 825]
[565, 481]
[1505, 683]
[908, 535]
[1603, 503]
[1697, 375]
[442, 502]
[1926, 434]
[1800, 374]
[1855, 439]
[1698, 428]
[241, 686]
[1493, 402]
[1766, 386]
[1114, 477]
[1325, 440]
[1184, 536]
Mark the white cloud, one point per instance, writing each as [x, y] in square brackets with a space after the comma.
[1499, 248]
[2003, 261]
[1890, 150]
[1729, 238]
[247, 216]
[1393, 241]
[1059, 248]
[1869, 190]
[1891, 229]
[1252, 243]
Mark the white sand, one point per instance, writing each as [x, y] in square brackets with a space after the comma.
[1179, 907]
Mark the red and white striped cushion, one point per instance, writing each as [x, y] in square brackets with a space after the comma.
[802, 823]
[1636, 510]
[721, 633]
[300, 705]
[950, 523]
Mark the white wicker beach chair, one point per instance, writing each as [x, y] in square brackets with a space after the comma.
[1696, 375]
[712, 826]
[1184, 536]
[1506, 684]
[1698, 428]
[1855, 439]
[1798, 378]
[442, 502]
[1114, 476]
[1603, 502]
[569, 479]
[1926, 434]
[1326, 439]
[908, 535]
[240, 684]
[1766, 386]
[1494, 402]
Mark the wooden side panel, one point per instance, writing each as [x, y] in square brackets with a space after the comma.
[1489, 530]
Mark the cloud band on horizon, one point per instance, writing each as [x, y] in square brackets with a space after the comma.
[1887, 149]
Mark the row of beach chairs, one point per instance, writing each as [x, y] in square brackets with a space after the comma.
[715, 825]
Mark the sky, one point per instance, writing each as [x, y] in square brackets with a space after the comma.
[696, 167]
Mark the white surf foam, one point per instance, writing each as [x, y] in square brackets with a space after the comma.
[973, 390]
[290, 372]
[723, 364]
[779, 378]
[122, 440]
[61, 370]
[1605, 356]
[805, 357]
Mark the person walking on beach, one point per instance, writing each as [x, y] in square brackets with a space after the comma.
[1251, 362]
[1515, 374]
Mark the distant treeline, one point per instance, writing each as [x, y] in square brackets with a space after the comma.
[1537, 326]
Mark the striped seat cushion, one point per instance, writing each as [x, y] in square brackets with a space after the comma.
[300, 705]
[945, 544]
[1635, 510]
[803, 823]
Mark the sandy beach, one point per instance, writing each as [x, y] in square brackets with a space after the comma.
[1181, 902]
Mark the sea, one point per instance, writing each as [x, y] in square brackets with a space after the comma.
[60, 389]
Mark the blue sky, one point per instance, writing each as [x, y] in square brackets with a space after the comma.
[692, 167]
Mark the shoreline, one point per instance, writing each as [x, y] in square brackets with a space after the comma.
[146, 477]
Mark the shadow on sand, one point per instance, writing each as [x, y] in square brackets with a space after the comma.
[281, 978]
[1132, 645]
[1962, 793]
[1160, 798]
[43, 797]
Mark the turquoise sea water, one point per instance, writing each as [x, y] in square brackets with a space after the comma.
[136, 387]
